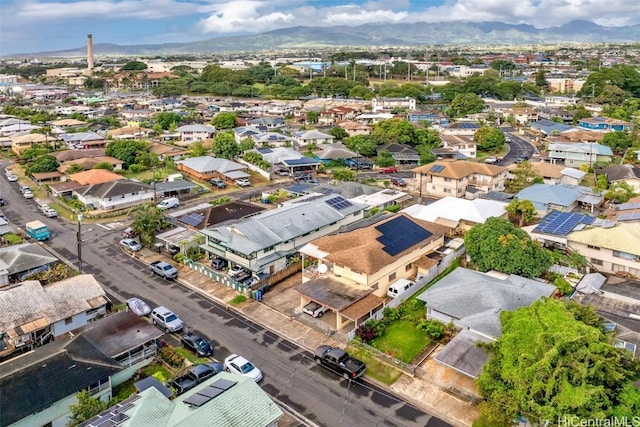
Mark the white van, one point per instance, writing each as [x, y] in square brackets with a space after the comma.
[399, 287]
[169, 203]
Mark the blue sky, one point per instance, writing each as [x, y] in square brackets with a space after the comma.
[43, 25]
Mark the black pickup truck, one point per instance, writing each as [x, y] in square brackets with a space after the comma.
[194, 376]
[339, 361]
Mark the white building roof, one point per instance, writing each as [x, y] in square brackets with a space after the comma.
[454, 209]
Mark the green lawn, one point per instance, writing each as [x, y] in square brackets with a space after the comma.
[375, 367]
[157, 370]
[402, 339]
[190, 356]
[123, 391]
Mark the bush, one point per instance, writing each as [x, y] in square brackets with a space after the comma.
[179, 258]
[238, 299]
[392, 314]
[370, 330]
[169, 355]
[12, 239]
[563, 286]
[434, 328]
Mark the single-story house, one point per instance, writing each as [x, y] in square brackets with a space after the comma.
[19, 261]
[629, 174]
[207, 167]
[306, 137]
[112, 195]
[193, 133]
[561, 197]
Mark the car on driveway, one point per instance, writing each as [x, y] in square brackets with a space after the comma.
[281, 172]
[197, 344]
[166, 319]
[388, 169]
[138, 307]
[243, 182]
[314, 309]
[219, 263]
[12, 178]
[128, 233]
[491, 160]
[398, 181]
[241, 366]
[218, 183]
[130, 245]
[237, 271]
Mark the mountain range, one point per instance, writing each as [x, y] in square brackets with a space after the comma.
[413, 34]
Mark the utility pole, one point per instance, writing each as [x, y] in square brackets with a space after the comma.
[79, 241]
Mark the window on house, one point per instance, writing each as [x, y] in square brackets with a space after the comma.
[625, 255]
[68, 320]
[447, 180]
[392, 276]
[447, 190]
[408, 267]
[433, 187]
[595, 248]
[595, 261]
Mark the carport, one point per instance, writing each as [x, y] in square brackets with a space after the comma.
[233, 175]
[349, 302]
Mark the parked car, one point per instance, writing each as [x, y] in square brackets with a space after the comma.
[314, 309]
[27, 195]
[197, 344]
[388, 169]
[491, 160]
[243, 182]
[12, 178]
[50, 213]
[166, 319]
[173, 249]
[241, 366]
[194, 376]
[164, 270]
[339, 361]
[24, 188]
[128, 233]
[237, 270]
[139, 307]
[219, 263]
[281, 172]
[171, 202]
[303, 177]
[398, 181]
[522, 158]
[218, 183]
[130, 245]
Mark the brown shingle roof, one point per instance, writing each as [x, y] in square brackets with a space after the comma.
[460, 169]
[95, 176]
[360, 251]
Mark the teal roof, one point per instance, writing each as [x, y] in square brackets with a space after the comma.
[244, 404]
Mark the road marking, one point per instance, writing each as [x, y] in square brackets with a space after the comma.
[103, 226]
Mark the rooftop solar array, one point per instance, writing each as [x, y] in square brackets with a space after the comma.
[562, 223]
[436, 168]
[211, 391]
[192, 219]
[627, 206]
[338, 202]
[399, 234]
[631, 216]
[265, 150]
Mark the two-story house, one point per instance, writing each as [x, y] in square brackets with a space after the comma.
[263, 243]
[350, 272]
[354, 128]
[464, 145]
[575, 155]
[382, 103]
[35, 314]
[561, 197]
[193, 133]
[459, 179]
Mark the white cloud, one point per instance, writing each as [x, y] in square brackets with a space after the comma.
[244, 16]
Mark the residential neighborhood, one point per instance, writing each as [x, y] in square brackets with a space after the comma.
[250, 241]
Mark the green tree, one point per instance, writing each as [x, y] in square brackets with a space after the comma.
[224, 121]
[342, 174]
[580, 113]
[166, 119]
[134, 66]
[126, 150]
[620, 192]
[362, 144]
[499, 245]
[338, 133]
[521, 209]
[147, 221]
[384, 158]
[246, 144]
[541, 80]
[86, 408]
[489, 139]
[611, 94]
[465, 103]
[224, 145]
[104, 165]
[395, 130]
[524, 175]
[74, 168]
[549, 365]
[46, 163]
[197, 149]
[426, 156]
[312, 116]
[617, 141]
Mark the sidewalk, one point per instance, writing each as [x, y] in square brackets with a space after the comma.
[417, 391]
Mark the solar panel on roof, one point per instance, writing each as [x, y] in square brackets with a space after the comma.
[338, 202]
[562, 223]
[399, 234]
[436, 168]
[223, 384]
[192, 219]
[197, 400]
[211, 392]
[631, 216]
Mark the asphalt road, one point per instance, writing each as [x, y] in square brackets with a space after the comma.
[290, 373]
[518, 145]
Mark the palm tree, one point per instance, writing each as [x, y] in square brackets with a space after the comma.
[148, 220]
